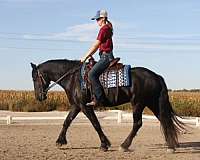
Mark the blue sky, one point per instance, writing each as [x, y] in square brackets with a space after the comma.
[163, 36]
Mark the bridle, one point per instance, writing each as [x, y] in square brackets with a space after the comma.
[43, 81]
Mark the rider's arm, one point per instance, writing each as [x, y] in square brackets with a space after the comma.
[91, 51]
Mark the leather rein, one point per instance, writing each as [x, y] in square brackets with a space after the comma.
[58, 80]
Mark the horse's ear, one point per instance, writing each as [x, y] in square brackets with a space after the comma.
[33, 66]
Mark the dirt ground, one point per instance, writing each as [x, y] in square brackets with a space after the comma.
[37, 142]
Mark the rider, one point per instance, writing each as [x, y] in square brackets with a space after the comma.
[105, 45]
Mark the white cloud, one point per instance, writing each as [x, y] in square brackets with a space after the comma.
[143, 41]
[80, 33]
[161, 35]
[158, 41]
[86, 32]
[158, 46]
[27, 3]
[24, 1]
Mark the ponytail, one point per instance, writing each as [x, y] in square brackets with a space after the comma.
[109, 24]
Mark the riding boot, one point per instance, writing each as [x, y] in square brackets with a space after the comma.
[103, 101]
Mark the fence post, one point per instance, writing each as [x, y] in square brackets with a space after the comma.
[119, 117]
[9, 120]
[197, 122]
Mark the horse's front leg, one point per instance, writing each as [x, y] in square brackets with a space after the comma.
[72, 114]
[89, 112]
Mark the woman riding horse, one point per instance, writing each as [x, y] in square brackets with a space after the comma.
[105, 45]
[148, 89]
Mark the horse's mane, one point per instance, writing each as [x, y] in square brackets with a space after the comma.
[64, 63]
[61, 61]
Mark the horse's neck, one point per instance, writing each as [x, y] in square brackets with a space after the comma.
[62, 72]
[70, 81]
[59, 69]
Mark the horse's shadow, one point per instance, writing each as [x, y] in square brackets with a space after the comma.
[111, 149]
[84, 148]
[184, 147]
[192, 147]
[77, 148]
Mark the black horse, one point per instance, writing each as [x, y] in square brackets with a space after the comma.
[147, 89]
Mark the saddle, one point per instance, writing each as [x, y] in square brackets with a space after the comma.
[113, 64]
[116, 75]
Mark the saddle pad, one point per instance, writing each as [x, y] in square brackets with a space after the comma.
[112, 78]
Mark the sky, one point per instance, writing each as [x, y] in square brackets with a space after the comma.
[163, 36]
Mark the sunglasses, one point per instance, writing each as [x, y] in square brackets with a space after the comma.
[98, 19]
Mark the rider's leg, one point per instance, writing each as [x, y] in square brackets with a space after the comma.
[94, 74]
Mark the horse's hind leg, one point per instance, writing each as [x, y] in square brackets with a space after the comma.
[137, 123]
[62, 136]
[89, 112]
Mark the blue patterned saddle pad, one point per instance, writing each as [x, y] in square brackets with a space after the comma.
[111, 78]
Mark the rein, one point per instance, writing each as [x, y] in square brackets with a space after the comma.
[59, 79]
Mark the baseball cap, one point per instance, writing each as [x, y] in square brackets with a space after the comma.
[100, 14]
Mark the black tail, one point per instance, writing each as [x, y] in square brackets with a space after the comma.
[170, 125]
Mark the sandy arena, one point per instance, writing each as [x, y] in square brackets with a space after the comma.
[36, 141]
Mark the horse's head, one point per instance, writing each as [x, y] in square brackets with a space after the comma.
[41, 83]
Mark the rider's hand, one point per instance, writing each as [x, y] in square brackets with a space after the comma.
[83, 59]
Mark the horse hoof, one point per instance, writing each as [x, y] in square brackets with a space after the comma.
[109, 145]
[104, 149]
[122, 149]
[58, 145]
[170, 150]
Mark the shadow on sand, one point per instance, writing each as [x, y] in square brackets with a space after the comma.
[185, 147]
[191, 147]
[86, 148]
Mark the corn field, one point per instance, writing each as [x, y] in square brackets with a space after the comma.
[184, 103]
[24, 101]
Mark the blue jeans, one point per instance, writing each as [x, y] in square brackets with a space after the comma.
[96, 71]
